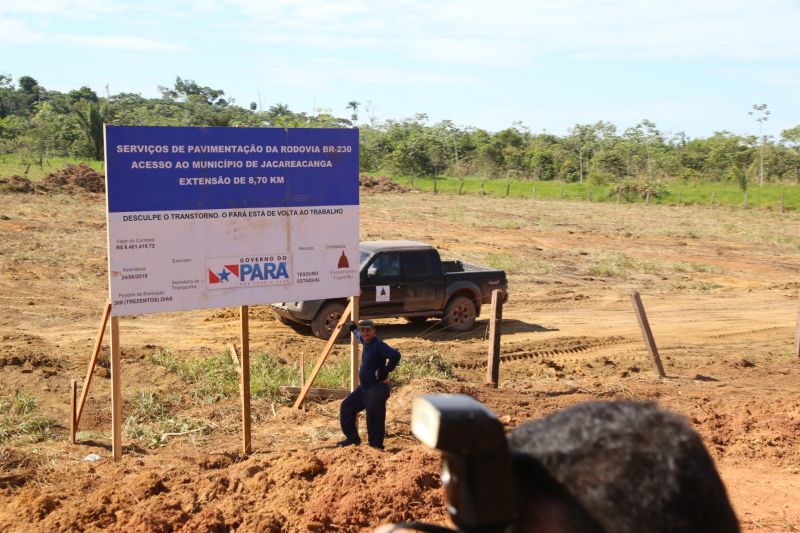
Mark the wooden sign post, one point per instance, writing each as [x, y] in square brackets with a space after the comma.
[244, 381]
[797, 331]
[647, 333]
[116, 391]
[493, 368]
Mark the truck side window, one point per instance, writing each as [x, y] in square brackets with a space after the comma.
[386, 266]
[417, 265]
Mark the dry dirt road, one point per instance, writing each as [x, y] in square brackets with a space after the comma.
[720, 288]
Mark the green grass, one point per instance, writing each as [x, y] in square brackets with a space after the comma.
[14, 164]
[510, 263]
[618, 264]
[418, 366]
[214, 378]
[151, 419]
[700, 193]
[19, 421]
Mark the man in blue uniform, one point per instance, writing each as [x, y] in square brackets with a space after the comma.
[377, 360]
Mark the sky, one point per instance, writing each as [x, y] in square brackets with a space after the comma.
[696, 66]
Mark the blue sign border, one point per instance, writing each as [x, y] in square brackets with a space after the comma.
[291, 168]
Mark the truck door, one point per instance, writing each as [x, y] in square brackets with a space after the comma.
[381, 291]
[423, 280]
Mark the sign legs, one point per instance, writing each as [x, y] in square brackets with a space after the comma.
[116, 392]
[244, 383]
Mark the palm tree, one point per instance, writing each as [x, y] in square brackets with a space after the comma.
[354, 106]
[761, 113]
[91, 122]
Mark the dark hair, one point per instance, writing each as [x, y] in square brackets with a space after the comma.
[621, 467]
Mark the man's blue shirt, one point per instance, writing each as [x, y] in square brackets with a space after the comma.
[375, 356]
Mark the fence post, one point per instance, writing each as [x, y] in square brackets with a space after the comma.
[588, 194]
[495, 320]
[781, 203]
[533, 192]
[461, 187]
[714, 199]
[647, 333]
[647, 198]
[508, 188]
[435, 188]
[680, 198]
[482, 191]
[746, 203]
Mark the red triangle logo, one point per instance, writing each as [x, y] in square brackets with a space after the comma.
[343, 262]
[234, 269]
[383, 292]
[212, 278]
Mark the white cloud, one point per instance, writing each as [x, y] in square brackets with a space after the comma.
[121, 42]
[17, 32]
[455, 31]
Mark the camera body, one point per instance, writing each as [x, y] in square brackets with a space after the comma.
[476, 462]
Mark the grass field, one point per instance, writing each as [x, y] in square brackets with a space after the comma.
[677, 193]
[16, 165]
[701, 193]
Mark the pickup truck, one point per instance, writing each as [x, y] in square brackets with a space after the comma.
[405, 279]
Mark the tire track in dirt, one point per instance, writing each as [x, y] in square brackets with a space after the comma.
[532, 354]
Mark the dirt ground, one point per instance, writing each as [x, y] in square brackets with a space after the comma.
[720, 288]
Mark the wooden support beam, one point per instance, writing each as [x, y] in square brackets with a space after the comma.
[647, 333]
[98, 343]
[797, 330]
[235, 357]
[116, 392]
[324, 355]
[244, 379]
[495, 320]
[355, 359]
[315, 393]
[73, 400]
[302, 374]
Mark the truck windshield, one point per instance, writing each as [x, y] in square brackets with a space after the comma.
[363, 257]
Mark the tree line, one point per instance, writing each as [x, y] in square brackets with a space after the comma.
[37, 123]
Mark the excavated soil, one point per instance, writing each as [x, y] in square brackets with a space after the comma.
[70, 179]
[380, 184]
[720, 288]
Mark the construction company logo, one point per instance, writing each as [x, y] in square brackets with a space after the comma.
[342, 270]
[250, 271]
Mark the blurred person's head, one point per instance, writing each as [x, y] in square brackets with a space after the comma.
[618, 467]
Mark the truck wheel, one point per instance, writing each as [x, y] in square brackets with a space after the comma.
[326, 320]
[459, 315]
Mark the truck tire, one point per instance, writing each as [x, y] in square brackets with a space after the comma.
[459, 314]
[326, 319]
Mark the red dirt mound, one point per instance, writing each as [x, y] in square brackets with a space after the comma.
[321, 490]
[17, 184]
[79, 177]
